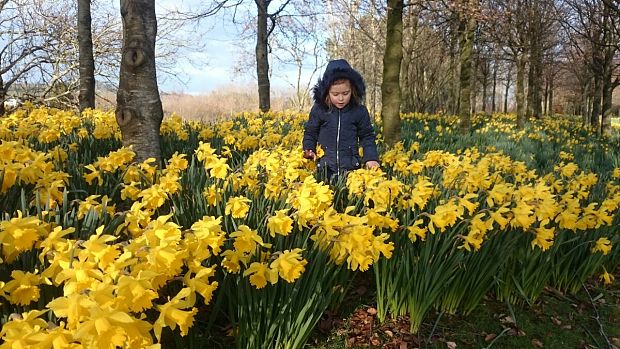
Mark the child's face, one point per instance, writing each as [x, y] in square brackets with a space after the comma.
[340, 93]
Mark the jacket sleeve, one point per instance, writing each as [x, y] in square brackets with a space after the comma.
[311, 131]
[367, 138]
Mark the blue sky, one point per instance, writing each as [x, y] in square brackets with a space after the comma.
[215, 65]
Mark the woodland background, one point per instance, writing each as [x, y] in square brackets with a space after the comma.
[563, 55]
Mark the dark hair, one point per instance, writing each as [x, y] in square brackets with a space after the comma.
[355, 96]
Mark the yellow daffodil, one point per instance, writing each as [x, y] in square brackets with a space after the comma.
[172, 314]
[23, 288]
[237, 206]
[260, 274]
[280, 224]
[289, 264]
[415, 231]
[602, 245]
[544, 236]
[607, 278]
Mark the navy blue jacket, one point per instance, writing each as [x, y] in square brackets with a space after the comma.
[340, 132]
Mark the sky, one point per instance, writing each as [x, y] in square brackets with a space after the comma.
[215, 65]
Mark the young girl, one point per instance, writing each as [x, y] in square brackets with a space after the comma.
[339, 122]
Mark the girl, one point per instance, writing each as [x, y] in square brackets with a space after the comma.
[339, 122]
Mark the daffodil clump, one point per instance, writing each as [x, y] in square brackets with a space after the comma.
[100, 251]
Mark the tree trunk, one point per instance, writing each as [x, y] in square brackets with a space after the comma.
[485, 83]
[390, 88]
[520, 93]
[474, 82]
[453, 104]
[588, 109]
[536, 65]
[546, 97]
[139, 112]
[2, 97]
[596, 102]
[262, 60]
[493, 109]
[506, 91]
[468, 27]
[607, 107]
[87, 62]
[406, 97]
[585, 110]
[550, 97]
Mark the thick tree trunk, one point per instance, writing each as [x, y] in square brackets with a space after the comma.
[390, 88]
[87, 62]
[520, 93]
[139, 112]
[468, 26]
[535, 82]
[262, 60]
[607, 103]
[407, 66]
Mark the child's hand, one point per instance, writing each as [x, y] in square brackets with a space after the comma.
[309, 154]
[372, 164]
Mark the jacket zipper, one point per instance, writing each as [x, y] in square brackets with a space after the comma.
[338, 145]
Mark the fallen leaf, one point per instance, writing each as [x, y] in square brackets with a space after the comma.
[536, 343]
[489, 337]
[389, 333]
[556, 321]
[372, 311]
[375, 341]
[507, 320]
[451, 345]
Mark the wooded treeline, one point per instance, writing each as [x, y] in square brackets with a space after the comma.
[534, 57]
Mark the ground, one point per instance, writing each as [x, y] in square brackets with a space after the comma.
[588, 319]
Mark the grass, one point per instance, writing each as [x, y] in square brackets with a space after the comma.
[588, 319]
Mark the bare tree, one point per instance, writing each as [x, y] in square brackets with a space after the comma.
[508, 24]
[467, 29]
[265, 24]
[298, 44]
[23, 43]
[594, 23]
[139, 112]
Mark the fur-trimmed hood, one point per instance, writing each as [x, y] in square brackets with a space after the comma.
[337, 69]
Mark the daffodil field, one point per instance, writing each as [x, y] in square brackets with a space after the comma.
[235, 231]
